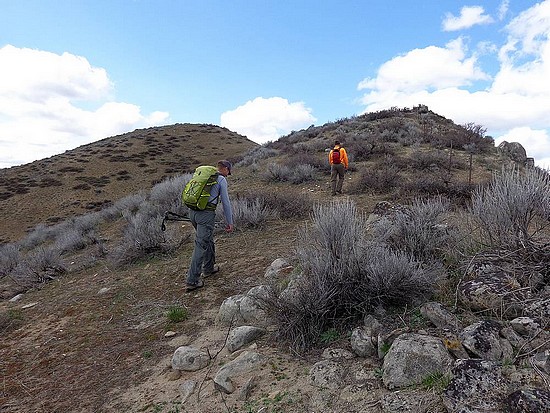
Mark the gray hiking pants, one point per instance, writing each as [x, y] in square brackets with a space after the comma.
[337, 172]
[204, 254]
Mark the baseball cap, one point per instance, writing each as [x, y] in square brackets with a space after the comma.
[227, 164]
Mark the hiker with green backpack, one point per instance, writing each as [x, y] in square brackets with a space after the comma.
[201, 194]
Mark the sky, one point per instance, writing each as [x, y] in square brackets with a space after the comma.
[76, 71]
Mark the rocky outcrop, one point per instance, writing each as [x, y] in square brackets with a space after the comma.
[514, 150]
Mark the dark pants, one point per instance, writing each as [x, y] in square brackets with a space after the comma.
[204, 254]
[337, 172]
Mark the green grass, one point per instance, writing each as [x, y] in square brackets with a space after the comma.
[330, 336]
[436, 381]
[177, 314]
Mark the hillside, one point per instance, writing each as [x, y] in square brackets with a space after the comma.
[96, 175]
[89, 332]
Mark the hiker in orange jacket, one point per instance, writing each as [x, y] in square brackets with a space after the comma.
[338, 159]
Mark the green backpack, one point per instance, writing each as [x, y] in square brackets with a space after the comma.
[197, 191]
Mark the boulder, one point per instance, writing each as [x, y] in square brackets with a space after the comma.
[440, 316]
[514, 150]
[413, 357]
[477, 386]
[525, 326]
[278, 269]
[495, 291]
[241, 336]
[410, 401]
[363, 342]
[246, 362]
[528, 401]
[483, 339]
[189, 358]
[229, 312]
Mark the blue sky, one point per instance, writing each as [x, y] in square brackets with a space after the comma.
[76, 71]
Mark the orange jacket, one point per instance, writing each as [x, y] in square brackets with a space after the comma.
[343, 156]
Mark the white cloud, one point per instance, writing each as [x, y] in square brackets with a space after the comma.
[266, 119]
[516, 99]
[39, 113]
[429, 68]
[503, 9]
[469, 16]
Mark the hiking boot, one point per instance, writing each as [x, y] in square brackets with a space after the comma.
[193, 287]
[215, 271]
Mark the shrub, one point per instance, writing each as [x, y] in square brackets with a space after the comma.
[344, 276]
[419, 230]
[254, 155]
[166, 195]
[283, 173]
[513, 210]
[287, 203]
[39, 266]
[381, 178]
[422, 160]
[9, 258]
[144, 237]
[251, 212]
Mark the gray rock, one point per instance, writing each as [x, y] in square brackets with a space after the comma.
[371, 323]
[246, 389]
[252, 312]
[477, 386]
[525, 326]
[440, 316]
[246, 362]
[229, 312]
[337, 354]
[483, 340]
[528, 401]
[514, 150]
[278, 269]
[411, 401]
[384, 341]
[327, 374]
[189, 358]
[186, 389]
[542, 361]
[413, 357]
[495, 291]
[513, 337]
[241, 336]
[362, 342]
[453, 344]
[539, 309]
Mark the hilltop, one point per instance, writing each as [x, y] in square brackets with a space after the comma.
[95, 329]
[94, 176]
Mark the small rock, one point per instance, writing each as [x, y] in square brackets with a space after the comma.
[189, 358]
[173, 375]
[30, 305]
[246, 389]
[337, 353]
[104, 290]
[525, 326]
[170, 334]
[528, 401]
[186, 389]
[327, 374]
[16, 298]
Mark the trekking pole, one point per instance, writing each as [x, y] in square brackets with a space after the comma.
[172, 216]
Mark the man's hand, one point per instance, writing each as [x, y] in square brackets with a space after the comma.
[229, 228]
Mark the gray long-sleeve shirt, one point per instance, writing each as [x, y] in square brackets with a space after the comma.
[220, 190]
